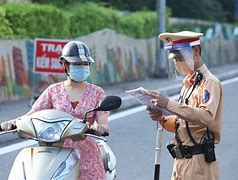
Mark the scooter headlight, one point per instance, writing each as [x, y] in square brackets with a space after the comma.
[49, 132]
[66, 166]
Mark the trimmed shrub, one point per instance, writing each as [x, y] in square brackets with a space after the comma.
[47, 21]
[5, 29]
[33, 20]
[89, 17]
[138, 25]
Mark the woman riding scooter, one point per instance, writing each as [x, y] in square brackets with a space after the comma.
[76, 96]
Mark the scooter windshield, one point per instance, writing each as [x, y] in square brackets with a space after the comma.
[49, 132]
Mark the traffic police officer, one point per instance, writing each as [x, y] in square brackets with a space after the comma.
[197, 116]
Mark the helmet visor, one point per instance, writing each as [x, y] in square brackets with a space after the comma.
[179, 53]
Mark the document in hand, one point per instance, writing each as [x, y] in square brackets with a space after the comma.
[142, 97]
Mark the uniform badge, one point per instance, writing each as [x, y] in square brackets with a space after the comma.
[206, 96]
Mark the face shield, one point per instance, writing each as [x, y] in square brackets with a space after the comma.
[182, 56]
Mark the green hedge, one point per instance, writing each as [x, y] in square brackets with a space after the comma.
[90, 18]
[32, 20]
[5, 30]
[47, 21]
[138, 25]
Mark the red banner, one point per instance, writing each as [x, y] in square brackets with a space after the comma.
[46, 57]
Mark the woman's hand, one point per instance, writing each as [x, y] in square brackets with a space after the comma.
[7, 125]
[99, 128]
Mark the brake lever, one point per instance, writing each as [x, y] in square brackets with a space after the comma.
[93, 132]
[95, 136]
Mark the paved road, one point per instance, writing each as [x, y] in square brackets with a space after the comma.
[133, 140]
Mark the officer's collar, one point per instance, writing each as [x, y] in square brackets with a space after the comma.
[189, 79]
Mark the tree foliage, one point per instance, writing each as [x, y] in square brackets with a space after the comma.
[229, 8]
[210, 10]
[214, 10]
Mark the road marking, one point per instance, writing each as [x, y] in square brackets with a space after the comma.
[229, 81]
[20, 145]
[16, 146]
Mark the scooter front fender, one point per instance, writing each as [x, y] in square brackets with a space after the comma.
[41, 163]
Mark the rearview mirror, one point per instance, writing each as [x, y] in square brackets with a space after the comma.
[109, 103]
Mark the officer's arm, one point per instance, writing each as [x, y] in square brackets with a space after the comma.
[208, 103]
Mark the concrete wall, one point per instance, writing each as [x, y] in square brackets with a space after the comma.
[118, 58]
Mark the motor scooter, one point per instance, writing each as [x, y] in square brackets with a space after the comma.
[50, 160]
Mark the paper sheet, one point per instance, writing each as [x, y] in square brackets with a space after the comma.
[142, 97]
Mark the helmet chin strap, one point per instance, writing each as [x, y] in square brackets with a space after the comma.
[65, 68]
[76, 81]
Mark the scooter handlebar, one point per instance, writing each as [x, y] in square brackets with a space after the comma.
[12, 127]
[91, 131]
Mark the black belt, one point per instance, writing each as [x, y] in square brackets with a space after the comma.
[181, 152]
[191, 150]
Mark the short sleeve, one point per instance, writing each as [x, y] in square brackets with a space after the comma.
[100, 96]
[44, 101]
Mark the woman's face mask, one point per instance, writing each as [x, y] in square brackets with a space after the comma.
[78, 73]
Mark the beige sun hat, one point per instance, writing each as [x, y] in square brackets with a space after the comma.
[181, 37]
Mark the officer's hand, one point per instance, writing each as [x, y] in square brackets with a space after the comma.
[158, 99]
[155, 114]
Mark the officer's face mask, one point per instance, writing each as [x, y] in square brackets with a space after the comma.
[182, 56]
[78, 73]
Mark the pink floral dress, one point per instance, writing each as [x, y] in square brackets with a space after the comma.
[56, 97]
